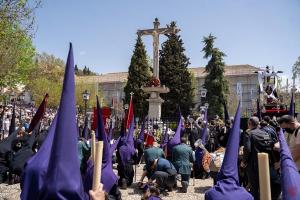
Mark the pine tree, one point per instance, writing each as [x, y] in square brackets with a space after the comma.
[174, 74]
[88, 71]
[85, 70]
[215, 82]
[138, 76]
[76, 70]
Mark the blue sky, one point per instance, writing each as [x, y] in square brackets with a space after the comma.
[103, 32]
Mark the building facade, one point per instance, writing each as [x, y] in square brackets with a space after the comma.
[242, 80]
[243, 85]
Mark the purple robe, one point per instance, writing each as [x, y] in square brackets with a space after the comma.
[290, 178]
[228, 187]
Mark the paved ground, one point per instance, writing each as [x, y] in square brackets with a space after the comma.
[12, 192]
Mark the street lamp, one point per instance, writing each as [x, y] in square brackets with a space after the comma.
[206, 105]
[203, 92]
[86, 97]
[126, 106]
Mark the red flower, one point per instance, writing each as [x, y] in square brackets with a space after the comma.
[153, 82]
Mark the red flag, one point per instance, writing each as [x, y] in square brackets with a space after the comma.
[39, 114]
[130, 114]
[105, 111]
[149, 140]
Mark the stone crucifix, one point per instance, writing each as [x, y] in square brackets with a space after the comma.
[155, 32]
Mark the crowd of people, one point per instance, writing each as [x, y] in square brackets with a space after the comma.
[52, 153]
[196, 156]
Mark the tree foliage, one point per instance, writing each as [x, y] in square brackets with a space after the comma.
[175, 75]
[80, 87]
[138, 76]
[49, 66]
[21, 13]
[48, 78]
[42, 85]
[16, 55]
[215, 82]
[16, 49]
[84, 72]
[296, 69]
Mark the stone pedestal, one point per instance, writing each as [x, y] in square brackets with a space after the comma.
[155, 100]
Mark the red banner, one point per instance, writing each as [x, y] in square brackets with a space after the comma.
[105, 111]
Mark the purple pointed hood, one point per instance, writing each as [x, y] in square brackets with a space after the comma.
[227, 187]
[63, 178]
[110, 133]
[32, 179]
[108, 177]
[292, 106]
[130, 137]
[165, 139]
[176, 139]
[38, 116]
[113, 147]
[102, 136]
[141, 136]
[290, 178]
[127, 150]
[12, 126]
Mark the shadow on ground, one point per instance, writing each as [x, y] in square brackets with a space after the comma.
[136, 189]
[201, 189]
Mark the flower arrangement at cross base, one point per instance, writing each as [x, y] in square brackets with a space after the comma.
[153, 82]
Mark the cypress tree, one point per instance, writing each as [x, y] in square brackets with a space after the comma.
[175, 75]
[76, 70]
[215, 82]
[138, 76]
[84, 70]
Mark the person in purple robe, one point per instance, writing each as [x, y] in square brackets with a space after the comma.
[54, 172]
[150, 193]
[126, 156]
[290, 177]
[139, 143]
[108, 177]
[228, 187]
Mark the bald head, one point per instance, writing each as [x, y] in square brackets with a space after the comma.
[253, 122]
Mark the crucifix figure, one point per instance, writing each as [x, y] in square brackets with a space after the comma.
[131, 94]
[155, 32]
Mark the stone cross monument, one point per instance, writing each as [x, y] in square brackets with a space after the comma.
[155, 101]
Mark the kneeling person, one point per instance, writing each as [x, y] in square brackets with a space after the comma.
[150, 154]
[164, 174]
